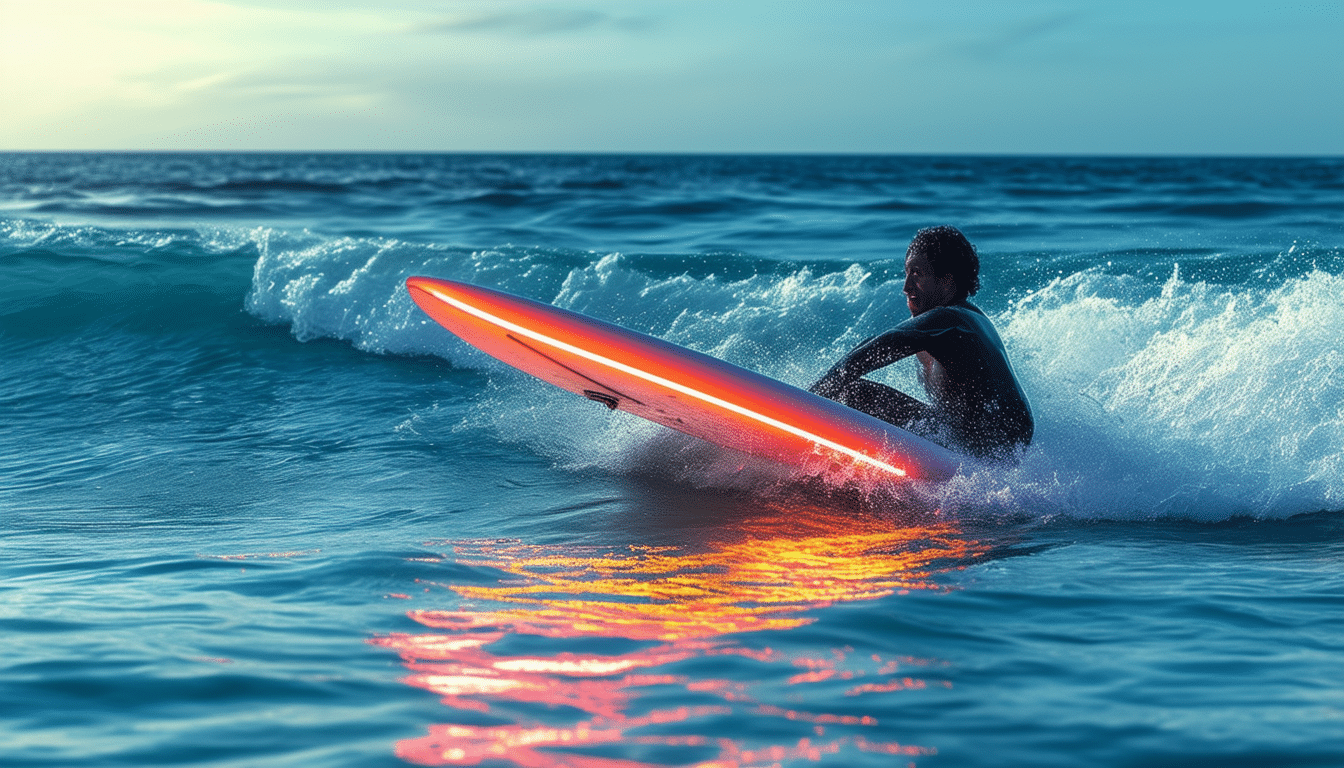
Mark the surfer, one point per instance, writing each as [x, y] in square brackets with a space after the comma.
[978, 406]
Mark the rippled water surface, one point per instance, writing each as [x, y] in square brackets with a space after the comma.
[258, 511]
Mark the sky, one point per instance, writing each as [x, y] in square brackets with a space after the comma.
[1122, 77]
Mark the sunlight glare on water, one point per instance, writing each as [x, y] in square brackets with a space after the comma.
[680, 612]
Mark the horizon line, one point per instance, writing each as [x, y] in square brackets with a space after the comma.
[696, 153]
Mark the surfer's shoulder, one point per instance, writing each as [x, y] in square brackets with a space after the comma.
[957, 313]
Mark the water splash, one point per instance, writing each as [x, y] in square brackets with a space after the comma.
[1179, 398]
[1199, 400]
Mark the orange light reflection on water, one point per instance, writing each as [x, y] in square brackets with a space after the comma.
[771, 572]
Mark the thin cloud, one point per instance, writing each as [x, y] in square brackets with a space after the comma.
[1023, 34]
[538, 22]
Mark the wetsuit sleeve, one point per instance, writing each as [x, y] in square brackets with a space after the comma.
[902, 341]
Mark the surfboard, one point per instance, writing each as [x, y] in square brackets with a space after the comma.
[680, 388]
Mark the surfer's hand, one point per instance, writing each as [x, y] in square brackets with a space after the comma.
[827, 386]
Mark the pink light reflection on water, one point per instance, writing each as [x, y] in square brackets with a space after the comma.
[770, 573]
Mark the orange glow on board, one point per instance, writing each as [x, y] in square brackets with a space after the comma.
[672, 610]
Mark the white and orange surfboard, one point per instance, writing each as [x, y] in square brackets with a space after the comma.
[678, 387]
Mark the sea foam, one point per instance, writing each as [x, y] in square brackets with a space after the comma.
[1184, 399]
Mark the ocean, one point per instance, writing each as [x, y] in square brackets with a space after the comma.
[257, 510]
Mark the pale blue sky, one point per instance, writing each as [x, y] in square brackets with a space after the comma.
[1033, 76]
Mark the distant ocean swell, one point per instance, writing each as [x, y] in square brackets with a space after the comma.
[1172, 398]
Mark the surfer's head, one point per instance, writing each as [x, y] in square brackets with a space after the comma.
[948, 264]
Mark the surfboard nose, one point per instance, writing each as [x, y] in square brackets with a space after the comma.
[426, 292]
[418, 283]
[431, 290]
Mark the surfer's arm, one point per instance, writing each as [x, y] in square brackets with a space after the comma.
[877, 352]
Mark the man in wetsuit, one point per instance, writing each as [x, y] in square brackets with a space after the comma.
[978, 406]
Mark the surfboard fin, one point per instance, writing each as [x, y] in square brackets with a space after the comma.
[602, 397]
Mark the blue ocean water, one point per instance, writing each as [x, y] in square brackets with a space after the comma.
[256, 510]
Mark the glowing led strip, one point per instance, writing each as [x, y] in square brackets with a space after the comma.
[667, 383]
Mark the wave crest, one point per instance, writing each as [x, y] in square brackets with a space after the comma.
[1192, 399]
[1176, 399]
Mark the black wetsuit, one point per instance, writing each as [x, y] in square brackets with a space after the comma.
[978, 406]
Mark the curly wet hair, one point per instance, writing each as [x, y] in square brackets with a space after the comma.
[949, 253]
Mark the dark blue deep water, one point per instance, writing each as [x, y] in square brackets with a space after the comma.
[256, 510]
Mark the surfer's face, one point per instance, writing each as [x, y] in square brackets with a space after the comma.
[925, 290]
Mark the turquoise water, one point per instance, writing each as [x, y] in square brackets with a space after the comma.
[257, 511]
